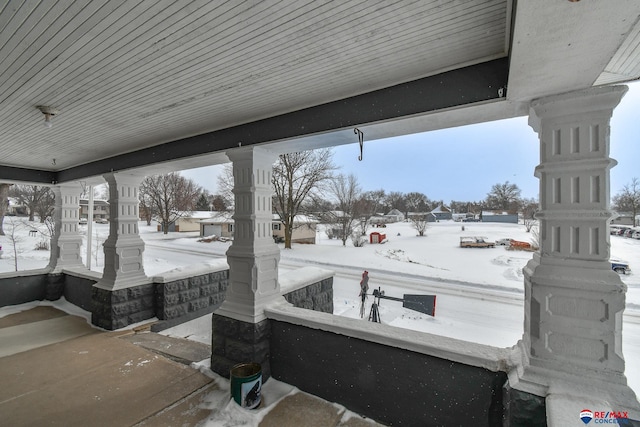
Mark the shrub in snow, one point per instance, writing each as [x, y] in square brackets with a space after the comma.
[42, 245]
[358, 240]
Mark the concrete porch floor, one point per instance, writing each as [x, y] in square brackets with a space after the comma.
[58, 370]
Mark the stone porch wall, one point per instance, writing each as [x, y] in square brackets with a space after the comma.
[189, 294]
[308, 287]
[173, 298]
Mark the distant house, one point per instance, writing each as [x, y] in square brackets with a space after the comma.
[304, 229]
[15, 208]
[623, 218]
[188, 221]
[220, 224]
[441, 213]
[502, 217]
[458, 216]
[419, 215]
[394, 215]
[100, 209]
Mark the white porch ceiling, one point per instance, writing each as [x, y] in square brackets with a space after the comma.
[128, 75]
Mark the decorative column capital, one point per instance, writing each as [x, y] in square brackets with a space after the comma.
[580, 103]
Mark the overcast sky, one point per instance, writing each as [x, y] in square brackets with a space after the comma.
[463, 163]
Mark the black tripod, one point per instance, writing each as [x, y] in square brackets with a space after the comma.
[374, 314]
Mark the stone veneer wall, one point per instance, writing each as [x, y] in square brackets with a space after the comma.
[180, 297]
[173, 298]
[114, 309]
[316, 296]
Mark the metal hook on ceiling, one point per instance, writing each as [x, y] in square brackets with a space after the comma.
[360, 140]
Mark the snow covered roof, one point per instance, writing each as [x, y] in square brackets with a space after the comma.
[218, 217]
[96, 202]
[299, 219]
[489, 213]
[441, 209]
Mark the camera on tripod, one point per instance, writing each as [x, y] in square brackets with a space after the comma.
[421, 303]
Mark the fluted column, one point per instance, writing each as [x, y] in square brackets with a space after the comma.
[123, 249]
[574, 302]
[66, 242]
[253, 256]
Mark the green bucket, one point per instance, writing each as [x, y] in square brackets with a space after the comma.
[246, 384]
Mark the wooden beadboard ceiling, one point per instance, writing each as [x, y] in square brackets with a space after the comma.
[127, 75]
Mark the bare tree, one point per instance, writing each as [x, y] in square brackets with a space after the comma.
[395, 200]
[529, 209]
[225, 186]
[504, 196]
[416, 202]
[366, 208]
[295, 177]
[371, 204]
[4, 204]
[346, 191]
[14, 238]
[419, 222]
[628, 199]
[38, 200]
[466, 207]
[170, 196]
[146, 203]
[218, 203]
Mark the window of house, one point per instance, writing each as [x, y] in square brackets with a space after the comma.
[230, 228]
[277, 226]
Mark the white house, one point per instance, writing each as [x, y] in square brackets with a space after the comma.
[220, 224]
[188, 221]
[304, 229]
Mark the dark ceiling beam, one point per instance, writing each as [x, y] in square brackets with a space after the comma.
[468, 85]
[31, 176]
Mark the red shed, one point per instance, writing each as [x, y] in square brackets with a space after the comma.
[377, 237]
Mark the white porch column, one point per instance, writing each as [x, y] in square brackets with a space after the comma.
[66, 241]
[123, 249]
[572, 341]
[253, 257]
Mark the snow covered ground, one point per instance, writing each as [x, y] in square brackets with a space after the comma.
[479, 290]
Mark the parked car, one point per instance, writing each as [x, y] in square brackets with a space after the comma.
[82, 221]
[619, 266]
[617, 230]
[635, 235]
[476, 242]
[628, 232]
[614, 230]
[102, 221]
[503, 242]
